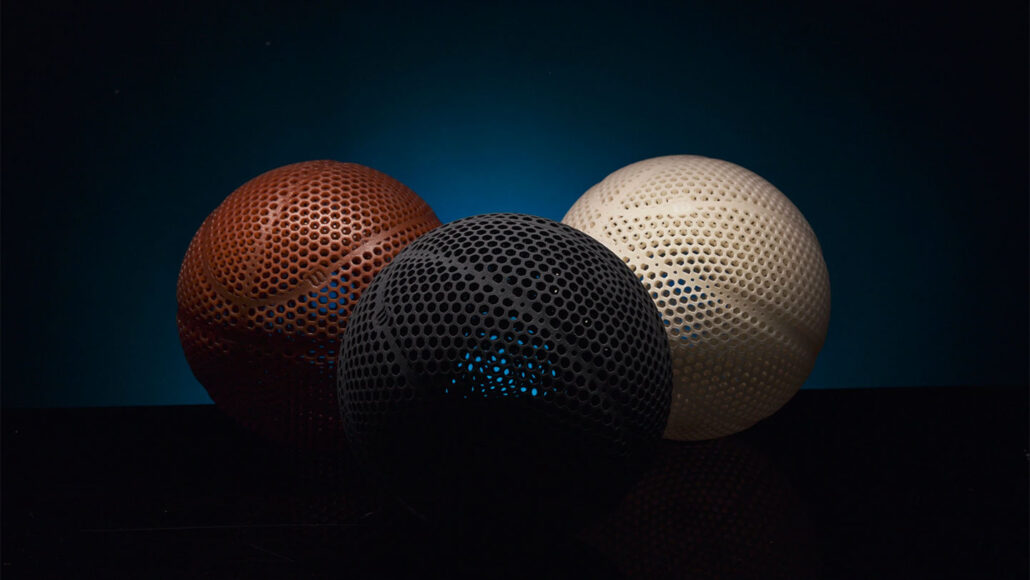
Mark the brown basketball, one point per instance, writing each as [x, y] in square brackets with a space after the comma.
[269, 281]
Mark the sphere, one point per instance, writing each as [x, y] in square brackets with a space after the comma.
[268, 284]
[737, 274]
[504, 362]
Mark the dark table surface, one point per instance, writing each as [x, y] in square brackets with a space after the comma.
[864, 483]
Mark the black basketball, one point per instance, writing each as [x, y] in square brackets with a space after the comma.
[504, 362]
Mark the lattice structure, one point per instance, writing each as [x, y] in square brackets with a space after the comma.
[504, 355]
[268, 284]
[737, 274]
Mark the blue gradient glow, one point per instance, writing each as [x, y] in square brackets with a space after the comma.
[912, 175]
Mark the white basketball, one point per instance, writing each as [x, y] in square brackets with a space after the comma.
[735, 270]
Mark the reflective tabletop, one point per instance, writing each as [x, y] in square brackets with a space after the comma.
[862, 483]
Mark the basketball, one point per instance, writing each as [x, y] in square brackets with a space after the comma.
[501, 363]
[268, 284]
[737, 273]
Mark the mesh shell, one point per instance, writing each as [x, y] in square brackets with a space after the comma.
[504, 348]
[269, 281]
[737, 274]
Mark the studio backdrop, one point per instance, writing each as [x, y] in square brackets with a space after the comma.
[898, 131]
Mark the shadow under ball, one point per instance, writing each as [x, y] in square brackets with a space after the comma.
[504, 368]
[268, 284]
[735, 270]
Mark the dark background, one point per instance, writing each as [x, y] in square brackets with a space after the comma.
[899, 130]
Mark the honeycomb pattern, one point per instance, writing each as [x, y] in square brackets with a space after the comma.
[737, 274]
[504, 351]
[712, 509]
[269, 281]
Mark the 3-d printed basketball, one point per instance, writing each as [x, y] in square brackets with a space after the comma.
[269, 281]
[737, 274]
[504, 356]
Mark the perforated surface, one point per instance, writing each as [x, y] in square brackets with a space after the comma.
[737, 274]
[270, 279]
[504, 350]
